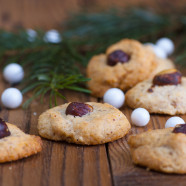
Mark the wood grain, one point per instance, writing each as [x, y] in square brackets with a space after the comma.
[74, 165]
[46, 14]
[126, 173]
[62, 164]
[93, 167]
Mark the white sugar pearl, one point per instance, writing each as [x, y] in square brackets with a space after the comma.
[13, 73]
[32, 34]
[11, 98]
[52, 36]
[173, 121]
[114, 97]
[159, 52]
[166, 44]
[140, 117]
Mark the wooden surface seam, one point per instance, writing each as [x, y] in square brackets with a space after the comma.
[66, 164]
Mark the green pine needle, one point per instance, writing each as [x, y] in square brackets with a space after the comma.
[51, 68]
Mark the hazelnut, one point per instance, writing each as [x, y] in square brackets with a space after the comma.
[78, 109]
[118, 56]
[167, 77]
[180, 129]
[4, 131]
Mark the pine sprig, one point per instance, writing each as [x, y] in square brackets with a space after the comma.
[55, 71]
[51, 68]
[93, 33]
[97, 31]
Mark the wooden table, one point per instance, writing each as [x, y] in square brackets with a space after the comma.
[47, 14]
[72, 165]
[66, 164]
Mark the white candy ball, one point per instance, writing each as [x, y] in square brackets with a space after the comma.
[32, 34]
[11, 98]
[173, 121]
[114, 97]
[13, 73]
[140, 117]
[166, 44]
[159, 52]
[52, 36]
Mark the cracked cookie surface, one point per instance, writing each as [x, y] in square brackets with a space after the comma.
[168, 99]
[160, 150]
[104, 124]
[162, 64]
[18, 145]
[122, 75]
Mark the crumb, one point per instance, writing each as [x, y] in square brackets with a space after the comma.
[150, 90]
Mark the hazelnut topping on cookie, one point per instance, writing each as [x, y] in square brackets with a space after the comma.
[167, 77]
[118, 56]
[78, 109]
[4, 131]
[180, 129]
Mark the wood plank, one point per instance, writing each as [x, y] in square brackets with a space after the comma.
[16, 14]
[88, 164]
[64, 164]
[125, 172]
[59, 163]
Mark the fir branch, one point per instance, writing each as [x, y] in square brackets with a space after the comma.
[53, 67]
[50, 69]
[55, 71]
[93, 33]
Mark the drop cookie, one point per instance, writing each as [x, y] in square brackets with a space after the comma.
[162, 64]
[15, 144]
[161, 149]
[164, 94]
[125, 64]
[83, 123]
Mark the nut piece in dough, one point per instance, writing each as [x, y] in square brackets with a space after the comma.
[18, 145]
[118, 56]
[4, 131]
[167, 77]
[161, 150]
[104, 124]
[78, 109]
[167, 99]
[138, 67]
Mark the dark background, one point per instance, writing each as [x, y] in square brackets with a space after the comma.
[47, 14]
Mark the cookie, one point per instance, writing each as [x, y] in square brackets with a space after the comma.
[161, 150]
[159, 95]
[162, 64]
[83, 123]
[17, 145]
[124, 65]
